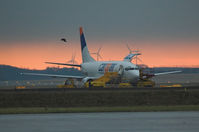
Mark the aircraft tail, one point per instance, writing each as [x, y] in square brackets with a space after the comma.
[86, 57]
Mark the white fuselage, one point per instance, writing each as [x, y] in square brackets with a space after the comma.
[128, 71]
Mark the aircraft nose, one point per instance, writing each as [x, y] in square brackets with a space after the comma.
[137, 74]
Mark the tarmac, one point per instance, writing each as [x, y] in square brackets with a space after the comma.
[185, 80]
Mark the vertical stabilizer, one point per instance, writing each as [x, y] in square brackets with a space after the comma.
[85, 53]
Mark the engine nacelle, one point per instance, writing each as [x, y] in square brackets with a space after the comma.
[86, 79]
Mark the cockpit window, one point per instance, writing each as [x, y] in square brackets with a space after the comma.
[131, 68]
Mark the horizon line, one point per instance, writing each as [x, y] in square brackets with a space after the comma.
[161, 66]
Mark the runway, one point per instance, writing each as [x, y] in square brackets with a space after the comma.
[99, 122]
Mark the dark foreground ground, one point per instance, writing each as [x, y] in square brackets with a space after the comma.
[98, 100]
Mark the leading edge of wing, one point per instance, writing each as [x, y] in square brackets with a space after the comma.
[53, 75]
[163, 73]
[63, 64]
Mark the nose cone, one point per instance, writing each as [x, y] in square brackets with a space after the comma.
[137, 74]
[134, 75]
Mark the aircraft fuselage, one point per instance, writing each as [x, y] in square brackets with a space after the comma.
[128, 71]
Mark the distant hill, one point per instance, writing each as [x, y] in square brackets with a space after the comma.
[13, 73]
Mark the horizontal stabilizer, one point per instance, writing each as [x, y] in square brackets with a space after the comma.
[163, 73]
[53, 75]
[63, 64]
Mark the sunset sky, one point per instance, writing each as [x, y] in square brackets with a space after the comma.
[165, 31]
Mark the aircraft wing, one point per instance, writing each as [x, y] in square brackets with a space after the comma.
[163, 73]
[53, 75]
[63, 64]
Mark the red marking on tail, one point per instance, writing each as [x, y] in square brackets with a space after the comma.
[81, 30]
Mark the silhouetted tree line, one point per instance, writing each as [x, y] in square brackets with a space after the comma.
[14, 73]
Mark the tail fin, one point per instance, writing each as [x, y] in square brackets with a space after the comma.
[85, 53]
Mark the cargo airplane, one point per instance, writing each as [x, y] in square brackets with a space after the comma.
[93, 69]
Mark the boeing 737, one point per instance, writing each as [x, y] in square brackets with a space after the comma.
[93, 69]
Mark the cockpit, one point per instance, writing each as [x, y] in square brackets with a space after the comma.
[131, 68]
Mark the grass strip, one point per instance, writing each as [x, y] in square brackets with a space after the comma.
[37, 110]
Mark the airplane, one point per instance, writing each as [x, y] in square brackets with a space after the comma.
[93, 69]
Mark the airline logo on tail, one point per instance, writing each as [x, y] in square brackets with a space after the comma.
[82, 38]
[85, 53]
